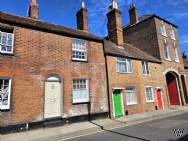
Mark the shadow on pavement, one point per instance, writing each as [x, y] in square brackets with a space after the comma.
[118, 132]
[184, 138]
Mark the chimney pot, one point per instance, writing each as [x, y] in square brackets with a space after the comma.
[33, 11]
[82, 18]
[133, 14]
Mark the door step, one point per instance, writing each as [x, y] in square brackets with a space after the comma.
[53, 122]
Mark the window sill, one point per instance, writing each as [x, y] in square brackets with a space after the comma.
[132, 104]
[150, 101]
[124, 72]
[164, 35]
[77, 60]
[177, 61]
[7, 53]
[173, 39]
[79, 103]
[146, 74]
[169, 60]
[4, 111]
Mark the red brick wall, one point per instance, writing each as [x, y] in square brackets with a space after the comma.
[137, 79]
[147, 36]
[37, 54]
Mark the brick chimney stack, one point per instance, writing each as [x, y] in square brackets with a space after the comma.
[115, 31]
[82, 18]
[33, 9]
[133, 14]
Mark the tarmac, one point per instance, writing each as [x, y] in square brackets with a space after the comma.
[89, 127]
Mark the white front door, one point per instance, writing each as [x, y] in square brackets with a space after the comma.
[52, 106]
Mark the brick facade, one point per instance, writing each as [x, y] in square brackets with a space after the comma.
[38, 54]
[42, 49]
[139, 81]
[146, 35]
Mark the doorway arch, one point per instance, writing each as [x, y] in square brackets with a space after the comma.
[173, 87]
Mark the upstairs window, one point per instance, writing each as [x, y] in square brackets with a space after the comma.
[80, 91]
[131, 98]
[149, 94]
[124, 65]
[79, 50]
[6, 42]
[166, 50]
[163, 29]
[173, 36]
[145, 67]
[176, 57]
[5, 91]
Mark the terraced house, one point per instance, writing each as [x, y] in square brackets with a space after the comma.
[51, 74]
[144, 63]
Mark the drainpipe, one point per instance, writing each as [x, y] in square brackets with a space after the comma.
[107, 83]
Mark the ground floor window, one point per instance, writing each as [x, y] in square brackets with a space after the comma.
[80, 91]
[5, 91]
[149, 94]
[131, 98]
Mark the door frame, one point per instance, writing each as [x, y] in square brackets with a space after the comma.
[177, 76]
[122, 100]
[61, 94]
[159, 88]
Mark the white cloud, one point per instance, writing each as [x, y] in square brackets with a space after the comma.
[180, 14]
[184, 39]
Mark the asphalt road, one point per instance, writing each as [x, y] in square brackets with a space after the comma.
[157, 130]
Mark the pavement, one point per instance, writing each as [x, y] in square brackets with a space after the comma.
[171, 128]
[89, 127]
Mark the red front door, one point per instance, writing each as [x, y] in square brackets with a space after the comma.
[173, 93]
[159, 100]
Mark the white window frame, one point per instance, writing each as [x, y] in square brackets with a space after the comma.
[163, 29]
[173, 35]
[166, 50]
[87, 99]
[128, 103]
[126, 62]
[6, 107]
[145, 67]
[79, 50]
[176, 55]
[12, 46]
[153, 98]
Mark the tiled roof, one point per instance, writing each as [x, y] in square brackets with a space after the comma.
[47, 27]
[128, 51]
[147, 17]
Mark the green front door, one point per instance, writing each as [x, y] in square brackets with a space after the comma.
[117, 103]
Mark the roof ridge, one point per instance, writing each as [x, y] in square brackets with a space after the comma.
[33, 22]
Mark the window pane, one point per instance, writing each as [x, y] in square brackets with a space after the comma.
[129, 65]
[4, 94]
[80, 91]
[3, 48]
[131, 96]
[79, 50]
[4, 38]
[149, 94]
[10, 38]
[124, 65]
[6, 41]
[167, 55]
[0, 37]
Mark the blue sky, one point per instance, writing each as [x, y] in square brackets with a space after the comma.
[63, 12]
